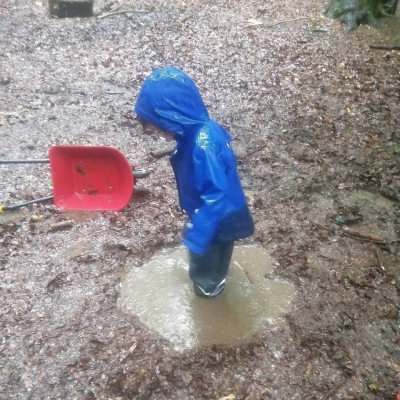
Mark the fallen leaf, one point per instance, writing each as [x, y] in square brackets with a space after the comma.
[373, 387]
[350, 274]
[392, 314]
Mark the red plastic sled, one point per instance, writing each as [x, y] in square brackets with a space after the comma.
[90, 178]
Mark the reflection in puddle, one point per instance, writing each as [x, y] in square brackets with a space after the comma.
[161, 295]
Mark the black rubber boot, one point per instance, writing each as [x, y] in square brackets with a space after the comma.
[199, 291]
[208, 271]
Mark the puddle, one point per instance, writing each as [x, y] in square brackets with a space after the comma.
[79, 248]
[324, 205]
[161, 295]
[82, 216]
[13, 216]
[364, 197]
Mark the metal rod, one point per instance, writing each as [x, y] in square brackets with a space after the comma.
[24, 161]
[26, 203]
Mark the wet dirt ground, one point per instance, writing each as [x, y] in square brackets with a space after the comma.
[315, 116]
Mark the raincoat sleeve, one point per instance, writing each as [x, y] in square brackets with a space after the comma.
[211, 183]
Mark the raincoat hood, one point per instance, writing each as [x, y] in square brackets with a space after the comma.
[170, 100]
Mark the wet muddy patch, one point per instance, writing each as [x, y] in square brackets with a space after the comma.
[359, 209]
[160, 293]
[13, 217]
[79, 248]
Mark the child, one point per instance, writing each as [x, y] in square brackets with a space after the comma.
[205, 171]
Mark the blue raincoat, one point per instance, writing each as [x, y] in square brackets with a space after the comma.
[203, 161]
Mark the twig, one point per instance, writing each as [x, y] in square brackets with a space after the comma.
[142, 204]
[328, 258]
[355, 237]
[61, 225]
[162, 153]
[123, 327]
[364, 237]
[259, 148]
[378, 256]
[287, 20]
[382, 47]
[129, 352]
[122, 12]
[12, 113]
[278, 22]
[245, 272]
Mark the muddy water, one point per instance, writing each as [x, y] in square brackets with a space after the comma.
[161, 295]
[326, 204]
[13, 216]
[370, 205]
[79, 248]
[364, 197]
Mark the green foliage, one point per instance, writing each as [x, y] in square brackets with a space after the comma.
[356, 12]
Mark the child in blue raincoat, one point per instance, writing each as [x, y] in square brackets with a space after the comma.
[205, 170]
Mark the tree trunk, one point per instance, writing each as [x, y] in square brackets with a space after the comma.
[356, 12]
